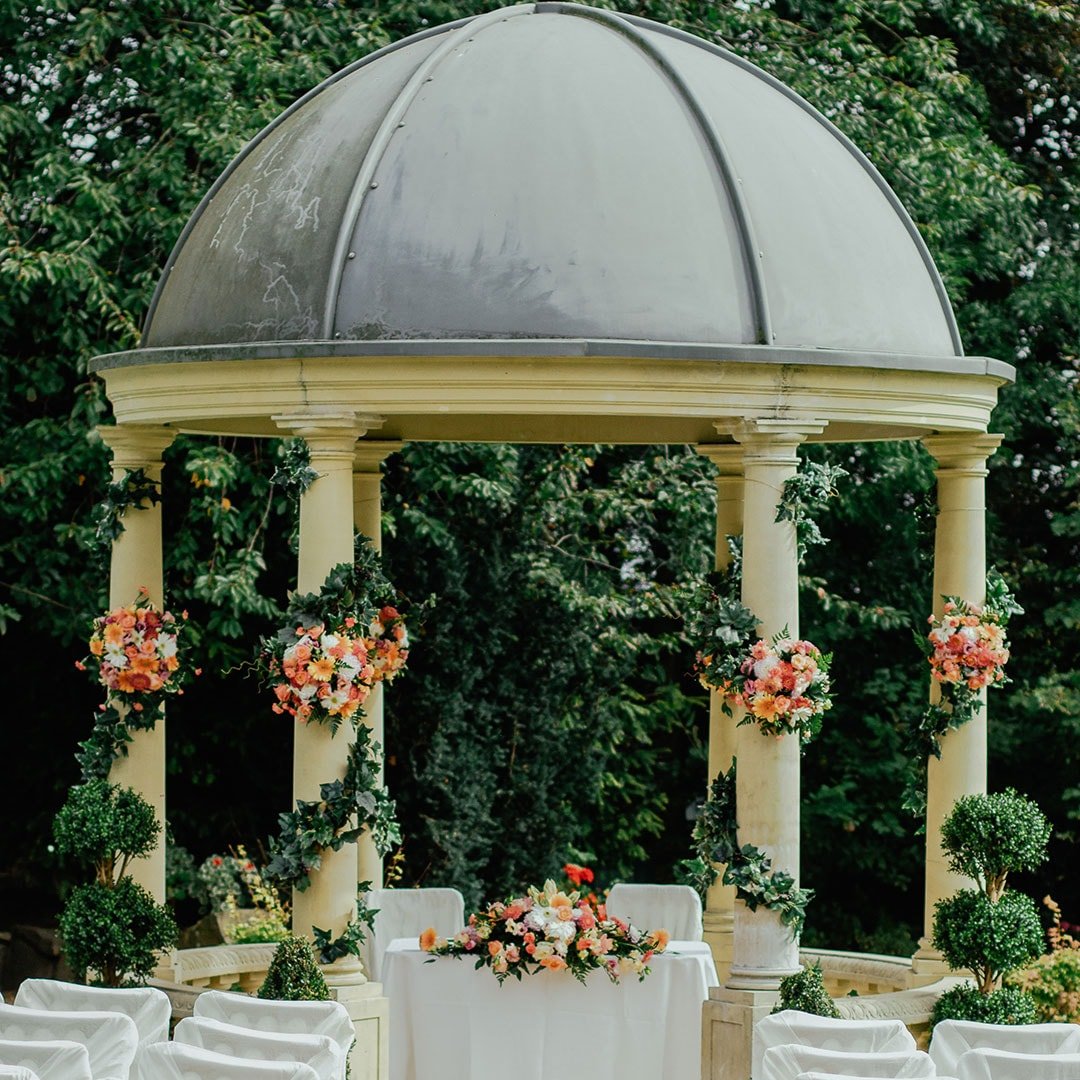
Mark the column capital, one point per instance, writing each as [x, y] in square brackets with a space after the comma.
[962, 451]
[775, 438]
[368, 454]
[328, 432]
[727, 457]
[136, 446]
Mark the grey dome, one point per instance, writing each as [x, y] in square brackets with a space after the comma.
[553, 171]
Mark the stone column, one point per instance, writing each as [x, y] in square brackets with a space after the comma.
[367, 519]
[136, 563]
[767, 788]
[719, 918]
[959, 570]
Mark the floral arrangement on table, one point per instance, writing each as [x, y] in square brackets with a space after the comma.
[134, 653]
[247, 906]
[552, 930]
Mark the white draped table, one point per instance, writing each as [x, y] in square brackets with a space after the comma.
[449, 1021]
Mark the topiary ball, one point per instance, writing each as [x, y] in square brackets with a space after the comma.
[805, 991]
[977, 935]
[114, 934]
[100, 821]
[1007, 1006]
[294, 975]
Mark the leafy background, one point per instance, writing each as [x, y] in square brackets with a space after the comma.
[548, 714]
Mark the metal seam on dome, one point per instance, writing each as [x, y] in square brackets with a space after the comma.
[868, 166]
[381, 142]
[740, 211]
[261, 137]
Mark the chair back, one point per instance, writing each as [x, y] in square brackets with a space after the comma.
[828, 1033]
[954, 1038]
[47, 1060]
[1004, 1065]
[149, 1009]
[674, 908]
[111, 1039]
[319, 1051]
[328, 1018]
[17, 1072]
[404, 913]
[789, 1061]
[176, 1061]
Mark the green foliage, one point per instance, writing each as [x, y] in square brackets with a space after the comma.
[803, 497]
[258, 931]
[964, 1002]
[355, 934]
[133, 491]
[293, 974]
[114, 934]
[988, 938]
[987, 837]
[104, 825]
[1053, 983]
[182, 877]
[805, 991]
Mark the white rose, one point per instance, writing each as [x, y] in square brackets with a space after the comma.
[763, 668]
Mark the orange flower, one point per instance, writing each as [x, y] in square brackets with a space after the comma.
[321, 670]
[113, 634]
[428, 939]
[660, 939]
[553, 963]
[96, 646]
[494, 948]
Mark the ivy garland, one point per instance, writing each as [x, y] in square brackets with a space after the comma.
[802, 496]
[354, 935]
[294, 475]
[133, 491]
[958, 703]
[355, 592]
[748, 868]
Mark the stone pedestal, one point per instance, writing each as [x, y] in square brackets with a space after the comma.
[369, 1011]
[727, 1030]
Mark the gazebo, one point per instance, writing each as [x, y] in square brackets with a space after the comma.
[552, 223]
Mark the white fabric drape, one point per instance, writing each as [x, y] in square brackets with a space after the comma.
[54, 1060]
[175, 1061]
[406, 913]
[674, 908]
[286, 1017]
[454, 1022]
[787, 1062]
[1002, 1065]
[827, 1033]
[150, 1009]
[954, 1038]
[319, 1051]
[17, 1072]
[110, 1038]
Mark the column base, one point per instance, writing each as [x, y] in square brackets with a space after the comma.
[727, 1030]
[719, 935]
[927, 966]
[369, 1058]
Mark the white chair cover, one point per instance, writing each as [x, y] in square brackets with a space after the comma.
[150, 1009]
[954, 1038]
[406, 913]
[787, 1062]
[17, 1072]
[175, 1061]
[674, 908]
[110, 1038]
[828, 1033]
[833, 1076]
[1003, 1065]
[283, 1017]
[53, 1060]
[319, 1051]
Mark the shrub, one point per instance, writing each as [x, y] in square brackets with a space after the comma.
[1053, 982]
[805, 991]
[114, 933]
[987, 938]
[112, 929]
[104, 825]
[965, 1002]
[293, 974]
[988, 836]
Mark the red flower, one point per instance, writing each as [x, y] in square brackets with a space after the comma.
[576, 875]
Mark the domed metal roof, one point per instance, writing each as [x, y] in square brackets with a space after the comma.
[552, 171]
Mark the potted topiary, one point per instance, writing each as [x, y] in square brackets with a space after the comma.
[294, 975]
[990, 930]
[112, 929]
[805, 991]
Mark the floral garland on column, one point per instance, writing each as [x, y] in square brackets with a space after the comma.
[967, 650]
[336, 645]
[135, 655]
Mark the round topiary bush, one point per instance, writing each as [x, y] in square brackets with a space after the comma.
[294, 975]
[114, 933]
[805, 991]
[975, 934]
[1008, 1006]
[986, 837]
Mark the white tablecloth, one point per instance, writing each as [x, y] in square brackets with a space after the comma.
[449, 1021]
